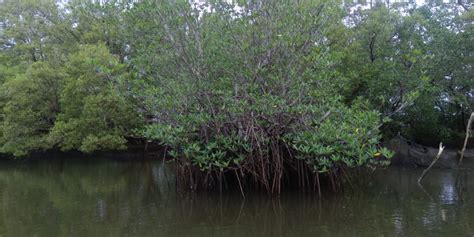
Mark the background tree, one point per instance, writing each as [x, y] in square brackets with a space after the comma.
[412, 64]
[94, 116]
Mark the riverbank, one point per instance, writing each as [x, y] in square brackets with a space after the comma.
[135, 149]
[411, 154]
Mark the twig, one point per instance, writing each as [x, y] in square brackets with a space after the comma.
[325, 116]
[441, 148]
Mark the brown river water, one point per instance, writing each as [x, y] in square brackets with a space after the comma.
[106, 197]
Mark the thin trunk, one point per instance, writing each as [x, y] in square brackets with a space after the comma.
[468, 134]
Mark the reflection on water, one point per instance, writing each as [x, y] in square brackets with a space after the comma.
[448, 193]
[98, 197]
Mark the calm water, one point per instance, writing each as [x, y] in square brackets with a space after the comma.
[98, 197]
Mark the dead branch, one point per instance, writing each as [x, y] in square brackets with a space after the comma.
[468, 134]
[441, 148]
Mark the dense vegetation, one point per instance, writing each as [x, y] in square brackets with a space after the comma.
[256, 89]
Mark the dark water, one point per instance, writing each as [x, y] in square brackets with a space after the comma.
[98, 197]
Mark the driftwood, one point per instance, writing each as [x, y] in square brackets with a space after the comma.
[441, 148]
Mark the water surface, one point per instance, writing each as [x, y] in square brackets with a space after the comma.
[103, 197]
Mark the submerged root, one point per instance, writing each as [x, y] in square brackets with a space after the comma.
[271, 174]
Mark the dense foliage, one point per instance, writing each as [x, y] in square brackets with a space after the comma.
[253, 88]
[414, 64]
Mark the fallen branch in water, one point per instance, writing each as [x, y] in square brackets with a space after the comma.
[441, 148]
